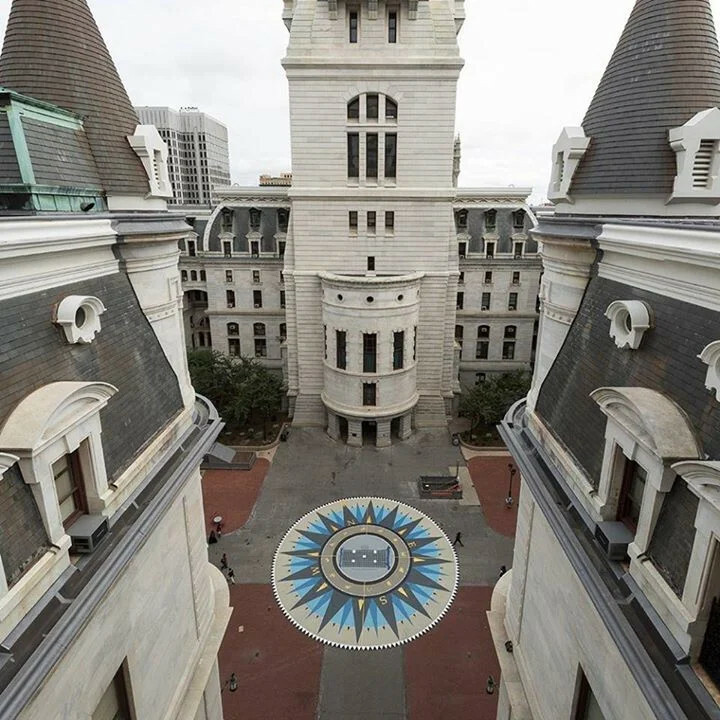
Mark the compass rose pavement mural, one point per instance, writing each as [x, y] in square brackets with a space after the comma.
[365, 573]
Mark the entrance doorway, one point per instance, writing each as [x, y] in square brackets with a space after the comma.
[395, 428]
[369, 432]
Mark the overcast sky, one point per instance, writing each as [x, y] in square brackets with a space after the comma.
[531, 67]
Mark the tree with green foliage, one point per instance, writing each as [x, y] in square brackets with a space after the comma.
[241, 389]
[486, 403]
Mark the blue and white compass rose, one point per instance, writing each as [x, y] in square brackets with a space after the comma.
[365, 573]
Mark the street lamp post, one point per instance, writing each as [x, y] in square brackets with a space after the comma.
[509, 499]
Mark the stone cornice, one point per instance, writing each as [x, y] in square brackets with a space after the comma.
[373, 281]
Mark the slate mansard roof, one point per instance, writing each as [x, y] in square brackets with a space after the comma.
[54, 52]
[665, 69]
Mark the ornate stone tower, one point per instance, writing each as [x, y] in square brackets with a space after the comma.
[372, 266]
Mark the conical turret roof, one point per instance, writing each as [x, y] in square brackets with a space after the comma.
[665, 69]
[54, 52]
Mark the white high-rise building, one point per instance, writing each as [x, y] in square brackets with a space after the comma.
[198, 155]
[372, 267]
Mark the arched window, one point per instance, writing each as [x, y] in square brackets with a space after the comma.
[510, 332]
[193, 275]
[381, 112]
[259, 329]
[233, 329]
[484, 331]
[459, 331]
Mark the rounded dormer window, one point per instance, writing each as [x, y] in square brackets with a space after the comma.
[629, 320]
[79, 317]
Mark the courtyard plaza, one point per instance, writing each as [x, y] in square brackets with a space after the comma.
[284, 673]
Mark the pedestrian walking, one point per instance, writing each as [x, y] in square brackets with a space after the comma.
[231, 576]
[458, 540]
[224, 562]
[218, 530]
[212, 538]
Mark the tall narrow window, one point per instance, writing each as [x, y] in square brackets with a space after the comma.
[373, 106]
[369, 352]
[353, 155]
[483, 343]
[228, 276]
[371, 263]
[369, 394]
[353, 109]
[353, 26]
[353, 221]
[490, 249]
[191, 248]
[70, 488]
[390, 155]
[516, 278]
[389, 220]
[518, 250]
[371, 155]
[391, 109]
[230, 298]
[203, 276]
[461, 278]
[398, 350]
[631, 494]
[485, 301]
[371, 222]
[283, 331]
[459, 333]
[193, 275]
[234, 347]
[227, 249]
[282, 298]
[281, 249]
[183, 275]
[488, 277]
[460, 300]
[255, 248]
[587, 707]
[508, 350]
[256, 276]
[341, 349]
[415, 343]
[257, 298]
[392, 26]
[512, 301]
[462, 249]
[114, 704]
[518, 220]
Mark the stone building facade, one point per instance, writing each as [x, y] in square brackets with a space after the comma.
[372, 240]
[612, 607]
[198, 152]
[109, 608]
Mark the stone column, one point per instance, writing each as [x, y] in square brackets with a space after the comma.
[383, 434]
[333, 426]
[405, 426]
[354, 433]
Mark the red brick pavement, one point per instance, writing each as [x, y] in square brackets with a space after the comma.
[490, 476]
[446, 670]
[232, 494]
[278, 668]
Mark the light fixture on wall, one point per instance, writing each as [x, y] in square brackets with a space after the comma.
[231, 684]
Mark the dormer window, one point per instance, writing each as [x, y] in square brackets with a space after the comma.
[697, 149]
[490, 220]
[254, 219]
[711, 357]
[569, 149]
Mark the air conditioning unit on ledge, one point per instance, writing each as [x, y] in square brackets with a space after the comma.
[614, 538]
[87, 532]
